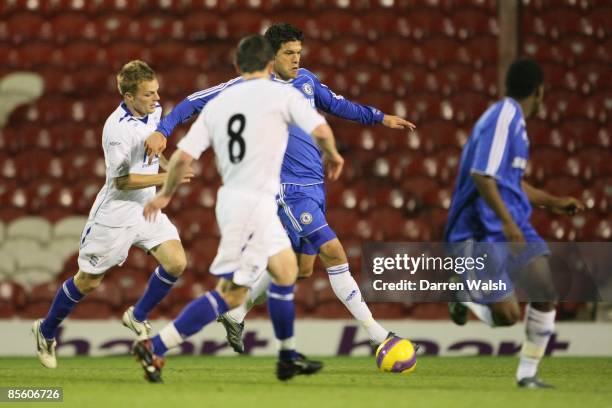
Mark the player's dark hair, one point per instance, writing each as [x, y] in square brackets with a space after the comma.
[278, 34]
[253, 54]
[132, 74]
[523, 78]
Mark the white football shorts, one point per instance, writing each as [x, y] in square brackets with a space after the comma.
[103, 247]
[251, 232]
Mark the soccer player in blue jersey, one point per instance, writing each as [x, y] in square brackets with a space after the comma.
[302, 194]
[492, 204]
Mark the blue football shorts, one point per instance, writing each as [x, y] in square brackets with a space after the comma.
[501, 263]
[302, 213]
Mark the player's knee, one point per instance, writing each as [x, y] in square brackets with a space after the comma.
[507, 317]
[87, 282]
[332, 253]
[234, 298]
[305, 271]
[177, 265]
[286, 277]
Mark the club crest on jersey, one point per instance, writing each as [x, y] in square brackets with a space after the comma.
[306, 218]
[307, 88]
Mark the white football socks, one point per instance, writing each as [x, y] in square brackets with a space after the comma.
[539, 326]
[483, 312]
[346, 289]
[257, 295]
[170, 336]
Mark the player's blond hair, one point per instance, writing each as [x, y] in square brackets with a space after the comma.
[132, 74]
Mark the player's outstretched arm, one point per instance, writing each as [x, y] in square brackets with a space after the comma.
[332, 160]
[337, 105]
[185, 110]
[557, 205]
[487, 188]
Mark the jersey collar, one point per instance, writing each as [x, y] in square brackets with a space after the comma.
[277, 79]
[130, 116]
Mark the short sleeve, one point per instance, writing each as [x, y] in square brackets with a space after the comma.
[117, 150]
[197, 140]
[301, 113]
[492, 144]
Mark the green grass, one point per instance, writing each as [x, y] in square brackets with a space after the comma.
[345, 382]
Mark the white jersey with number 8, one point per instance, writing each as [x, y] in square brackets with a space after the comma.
[247, 126]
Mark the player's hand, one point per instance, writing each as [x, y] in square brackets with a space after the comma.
[333, 165]
[153, 207]
[155, 144]
[567, 206]
[395, 122]
[514, 236]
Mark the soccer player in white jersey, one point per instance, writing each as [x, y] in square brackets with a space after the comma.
[115, 221]
[247, 127]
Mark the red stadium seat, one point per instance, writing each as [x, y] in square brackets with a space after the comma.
[32, 164]
[130, 282]
[545, 163]
[426, 23]
[599, 195]
[82, 165]
[434, 220]
[72, 27]
[599, 20]
[384, 23]
[47, 194]
[116, 26]
[344, 222]
[543, 50]
[419, 185]
[479, 52]
[25, 27]
[13, 294]
[84, 193]
[423, 107]
[598, 229]
[81, 53]
[166, 53]
[468, 106]
[157, 27]
[121, 52]
[335, 24]
[34, 55]
[93, 81]
[204, 25]
[196, 223]
[472, 23]
[439, 135]
[553, 23]
[245, 22]
[542, 135]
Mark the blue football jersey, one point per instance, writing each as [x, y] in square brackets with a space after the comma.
[498, 147]
[302, 162]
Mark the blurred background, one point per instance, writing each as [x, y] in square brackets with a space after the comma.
[436, 62]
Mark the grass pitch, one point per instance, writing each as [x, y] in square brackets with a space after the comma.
[344, 382]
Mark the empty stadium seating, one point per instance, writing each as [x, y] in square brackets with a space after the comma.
[434, 62]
